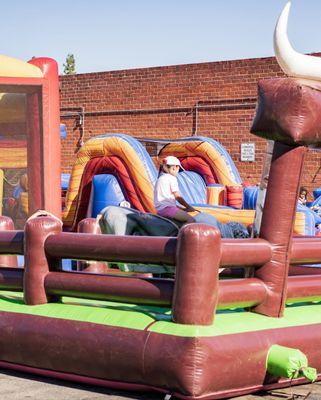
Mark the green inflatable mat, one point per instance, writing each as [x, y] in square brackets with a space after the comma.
[158, 319]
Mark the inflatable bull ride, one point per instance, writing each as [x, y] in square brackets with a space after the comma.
[195, 336]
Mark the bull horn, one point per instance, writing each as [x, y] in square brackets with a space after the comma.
[293, 63]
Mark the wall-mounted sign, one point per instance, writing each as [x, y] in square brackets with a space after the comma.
[247, 151]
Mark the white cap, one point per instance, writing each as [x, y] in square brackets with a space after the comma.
[125, 204]
[171, 160]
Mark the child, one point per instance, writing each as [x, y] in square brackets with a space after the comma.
[303, 195]
[166, 192]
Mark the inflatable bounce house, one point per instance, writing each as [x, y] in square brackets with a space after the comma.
[194, 336]
[29, 92]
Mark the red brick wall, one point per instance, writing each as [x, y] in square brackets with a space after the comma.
[159, 103]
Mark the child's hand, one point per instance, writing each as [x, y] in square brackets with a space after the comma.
[191, 209]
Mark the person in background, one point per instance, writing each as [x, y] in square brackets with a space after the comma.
[303, 200]
[303, 196]
[166, 192]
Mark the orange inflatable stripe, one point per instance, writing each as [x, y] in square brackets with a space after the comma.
[215, 195]
[13, 157]
[105, 147]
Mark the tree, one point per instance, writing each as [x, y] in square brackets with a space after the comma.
[70, 65]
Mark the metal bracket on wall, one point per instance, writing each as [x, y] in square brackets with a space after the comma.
[79, 114]
[220, 105]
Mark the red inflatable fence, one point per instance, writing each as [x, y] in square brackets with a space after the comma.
[197, 253]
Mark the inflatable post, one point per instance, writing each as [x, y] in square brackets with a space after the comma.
[277, 223]
[44, 146]
[191, 304]
[37, 230]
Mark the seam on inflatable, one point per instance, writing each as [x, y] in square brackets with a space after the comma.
[144, 351]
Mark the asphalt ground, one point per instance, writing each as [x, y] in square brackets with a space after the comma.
[19, 386]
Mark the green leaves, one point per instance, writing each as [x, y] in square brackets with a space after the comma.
[70, 65]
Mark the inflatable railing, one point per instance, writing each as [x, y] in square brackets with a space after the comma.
[234, 253]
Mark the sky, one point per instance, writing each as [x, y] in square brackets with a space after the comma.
[106, 35]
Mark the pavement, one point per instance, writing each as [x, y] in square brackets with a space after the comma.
[19, 386]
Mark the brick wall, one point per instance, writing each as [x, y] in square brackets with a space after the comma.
[160, 103]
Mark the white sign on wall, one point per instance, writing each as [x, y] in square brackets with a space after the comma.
[247, 151]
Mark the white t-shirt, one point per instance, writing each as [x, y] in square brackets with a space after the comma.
[165, 186]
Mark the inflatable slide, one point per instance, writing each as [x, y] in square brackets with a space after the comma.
[224, 185]
[112, 168]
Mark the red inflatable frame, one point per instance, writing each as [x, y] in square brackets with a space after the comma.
[43, 133]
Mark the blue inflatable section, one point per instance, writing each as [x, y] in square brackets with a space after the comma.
[16, 191]
[65, 178]
[317, 201]
[106, 192]
[63, 131]
[317, 194]
[250, 194]
[192, 187]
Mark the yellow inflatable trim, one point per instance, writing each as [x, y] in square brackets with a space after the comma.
[24, 204]
[14, 157]
[12, 67]
[246, 217]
